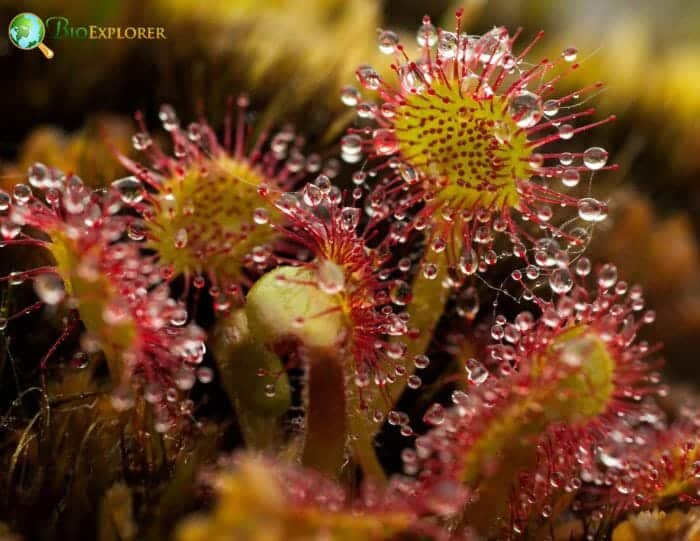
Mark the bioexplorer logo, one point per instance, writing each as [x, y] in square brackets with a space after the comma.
[27, 31]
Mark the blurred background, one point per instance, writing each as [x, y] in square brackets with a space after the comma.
[293, 56]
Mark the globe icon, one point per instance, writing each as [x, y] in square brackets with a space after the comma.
[27, 31]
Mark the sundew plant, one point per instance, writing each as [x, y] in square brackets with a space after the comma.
[400, 336]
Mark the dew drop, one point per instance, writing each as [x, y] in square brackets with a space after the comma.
[592, 210]
[168, 117]
[448, 45]
[5, 200]
[426, 35]
[569, 54]
[469, 262]
[566, 131]
[49, 288]
[385, 142]
[526, 108]
[430, 271]
[312, 195]
[411, 79]
[141, 141]
[130, 190]
[400, 293]
[38, 174]
[261, 216]
[476, 372]
[414, 382]
[351, 144]
[205, 374]
[388, 41]
[421, 361]
[583, 266]
[467, 303]
[181, 238]
[550, 107]
[22, 193]
[607, 276]
[570, 178]
[595, 158]
[560, 281]
[350, 96]
[368, 77]
[435, 415]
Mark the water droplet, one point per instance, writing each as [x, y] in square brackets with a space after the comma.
[38, 174]
[130, 190]
[570, 178]
[492, 46]
[569, 54]
[426, 35]
[141, 141]
[5, 200]
[22, 193]
[368, 77]
[566, 131]
[168, 117]
[447, 45]
[467, 303]
[180, 238]
[414, 382]
[350, 96]
[583, 266]
[411, 79]
[550, 107]
[385, 142]
[607, 276]
[595, 158]
[205, 374]
[49, 288]
[194, 132]
[592, 210]
[312, 195]
[394, 418]
[10, 229]
[349, 218]
[261, 216]
[469, 262]
[421, 361]
[560, 281]
[435, 415]
[351, 144]
[408, 173]
[388, 41]
[476, 372]
[430, 271]
[526, 108]
[400, 293]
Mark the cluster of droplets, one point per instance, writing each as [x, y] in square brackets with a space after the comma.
[116, 291]
[530, 365]
[461, 135]
[351, 261]
[203, 207]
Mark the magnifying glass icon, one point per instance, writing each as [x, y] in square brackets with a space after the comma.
[27, 32]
